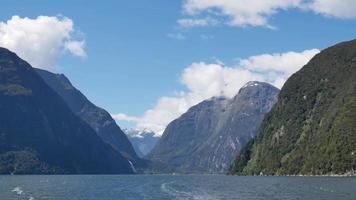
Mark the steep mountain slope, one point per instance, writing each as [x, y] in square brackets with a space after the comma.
[143, 141]
[312, 128]
[206, 138]
[98, 118]
[39, 134]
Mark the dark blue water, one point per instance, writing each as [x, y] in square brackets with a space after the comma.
[161, 187]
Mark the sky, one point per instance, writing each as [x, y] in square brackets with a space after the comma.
[147, 62]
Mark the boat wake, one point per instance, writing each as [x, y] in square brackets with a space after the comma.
[21, 194]
[18, 190]
[180, 192]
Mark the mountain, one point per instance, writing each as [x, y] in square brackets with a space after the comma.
[312, 128]
[99, 119]
[208, 136]
[39, 134]
[143, 141]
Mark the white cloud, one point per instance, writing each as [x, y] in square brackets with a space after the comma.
[204, 80]
[197, 22]
[76, 48]
[239, 12]
[257, 12]
[276, 68]
[344, 9]
[165, 110]
[207, 80]
[40, 41]
[124, 117]
[286, 62]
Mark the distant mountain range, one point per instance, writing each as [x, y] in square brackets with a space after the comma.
[312, 128]
[208, 136]
[98, 118]
[143, 141]
[39, 133]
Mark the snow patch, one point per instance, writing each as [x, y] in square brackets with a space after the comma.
[251, 84]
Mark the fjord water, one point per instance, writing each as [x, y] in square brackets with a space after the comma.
[205, 187]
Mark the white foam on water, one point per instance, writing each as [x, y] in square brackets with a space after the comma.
[18, 190]
[185, 195]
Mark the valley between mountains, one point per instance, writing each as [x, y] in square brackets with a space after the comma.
[47, 126]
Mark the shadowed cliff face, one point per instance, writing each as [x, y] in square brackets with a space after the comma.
[312, 128]
[208, 136]
[98, 118]
[39, 134]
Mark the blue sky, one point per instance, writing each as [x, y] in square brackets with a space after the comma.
[135, 57]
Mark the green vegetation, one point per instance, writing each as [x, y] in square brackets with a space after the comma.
[25, 162]
[312, 128]
[14, 90]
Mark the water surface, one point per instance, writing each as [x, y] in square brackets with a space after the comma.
[162, 187]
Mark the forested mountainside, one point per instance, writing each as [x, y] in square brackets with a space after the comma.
[312, 128]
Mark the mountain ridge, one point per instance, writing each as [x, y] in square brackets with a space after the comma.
[51, 139]
[98, 118]
[312, 128]
[206, 137]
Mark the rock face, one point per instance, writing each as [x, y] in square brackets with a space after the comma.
[39, 134]
[207, 137]
[98, 118]
[143, 141]
[312, 128]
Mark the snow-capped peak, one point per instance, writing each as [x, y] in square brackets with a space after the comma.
[135, 132]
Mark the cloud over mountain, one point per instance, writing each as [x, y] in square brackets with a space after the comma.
[204, 80]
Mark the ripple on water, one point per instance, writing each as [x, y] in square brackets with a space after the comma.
[180, 192]
[20, 193]
[165, 187]
[18, 190]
